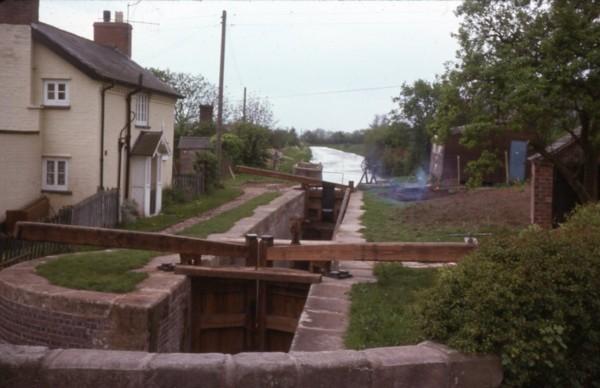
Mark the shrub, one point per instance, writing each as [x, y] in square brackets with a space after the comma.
[172, 196]
[533, 299]
[206, 161]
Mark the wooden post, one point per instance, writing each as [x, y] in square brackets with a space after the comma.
[351, 185]
[252, 244]
[506, 167]
[458, 170]
[266, 241]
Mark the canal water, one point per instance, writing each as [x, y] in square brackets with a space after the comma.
[338, 166]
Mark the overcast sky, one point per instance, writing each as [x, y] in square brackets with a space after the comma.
[308, 58]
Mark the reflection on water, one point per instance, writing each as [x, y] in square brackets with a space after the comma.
[338, 166]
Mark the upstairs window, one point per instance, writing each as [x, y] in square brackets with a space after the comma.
[142, 103]
[56, 174]
[56, 92]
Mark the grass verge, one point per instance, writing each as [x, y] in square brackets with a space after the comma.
[293, 155]
[180, 211]
[104, 271]
[384, 220]
[383, 313]
[224, 221]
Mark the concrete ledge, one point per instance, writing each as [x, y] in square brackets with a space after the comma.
[423, 365]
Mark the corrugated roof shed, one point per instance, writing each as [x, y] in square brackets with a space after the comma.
[97, 61]
[194, 143]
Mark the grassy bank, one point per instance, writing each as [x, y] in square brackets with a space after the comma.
[383, 313]
[178, 212]
[293, 155]
[225, 221]
[104, 271]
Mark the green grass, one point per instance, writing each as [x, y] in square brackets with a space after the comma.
[225, 221]
[383, 313]
[178, 212]
[383, 221]
[102, 271]
[293, 155]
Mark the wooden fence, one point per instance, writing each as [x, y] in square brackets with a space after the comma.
[99, 210]
[191, 185]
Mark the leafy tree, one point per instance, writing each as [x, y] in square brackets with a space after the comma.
[417, 104]
[258, 111]
[255, 140]
[534, 67]
[196, 91]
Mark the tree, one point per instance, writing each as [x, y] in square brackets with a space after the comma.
[196, 91]
[534, 67]
[417, 105]
[258, 111]
[255, 140]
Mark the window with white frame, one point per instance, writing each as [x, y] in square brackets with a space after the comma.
[56, 92]
[142, 103]
[56, 174]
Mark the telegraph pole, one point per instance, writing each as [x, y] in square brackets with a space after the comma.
[244, 107]
[220, 101]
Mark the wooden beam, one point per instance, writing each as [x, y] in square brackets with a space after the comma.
[428, 252]
[283, 275]
[342, 212]
[280, 323]
[114, 238]
[283, 176]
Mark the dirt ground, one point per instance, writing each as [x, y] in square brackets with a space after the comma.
[505, 206]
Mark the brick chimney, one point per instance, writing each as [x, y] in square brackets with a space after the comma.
[206, 113]
[115, 34]
[19, 11]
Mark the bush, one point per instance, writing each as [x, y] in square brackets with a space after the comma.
[533, 299]
[172, 196]
[206, 161]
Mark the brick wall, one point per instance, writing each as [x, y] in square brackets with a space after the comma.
[19, 11]
[30, 325]
[541, 194]
[151, 318]
[172, 336]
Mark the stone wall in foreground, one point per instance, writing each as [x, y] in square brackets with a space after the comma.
[424, 365]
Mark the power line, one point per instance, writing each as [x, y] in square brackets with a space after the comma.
[339, 91]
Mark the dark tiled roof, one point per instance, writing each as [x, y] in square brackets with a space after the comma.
[148, 143]
[194, 143]
[97, 61]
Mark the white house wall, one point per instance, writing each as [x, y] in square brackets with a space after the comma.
[74, 132]
[20, 142]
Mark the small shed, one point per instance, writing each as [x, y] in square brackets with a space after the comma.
[448, 161]
[187, 147]
[552, 198]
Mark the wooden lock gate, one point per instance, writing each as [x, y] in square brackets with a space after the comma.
[244, 308]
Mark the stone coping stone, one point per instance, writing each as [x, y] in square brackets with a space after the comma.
[424, 365]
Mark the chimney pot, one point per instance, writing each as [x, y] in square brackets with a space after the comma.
[106, 16]
[117, 35]
[206, 113]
